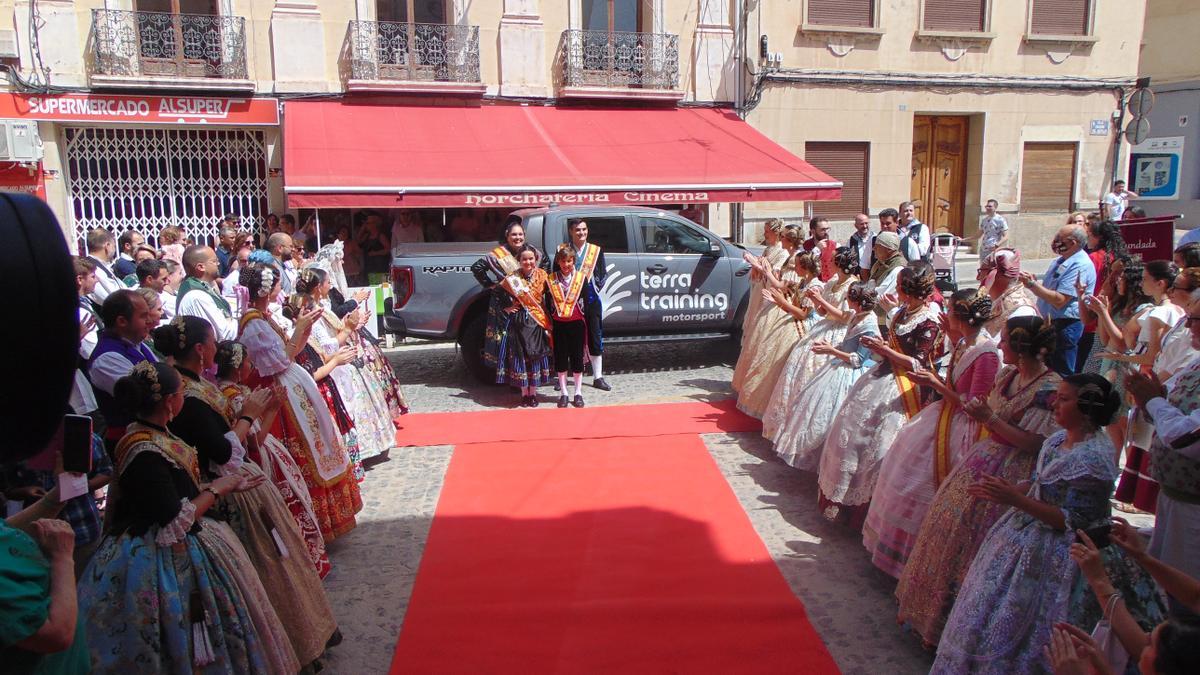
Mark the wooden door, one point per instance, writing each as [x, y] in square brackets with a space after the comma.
[939, 166]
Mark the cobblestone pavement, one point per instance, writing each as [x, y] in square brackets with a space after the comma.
[847, 600]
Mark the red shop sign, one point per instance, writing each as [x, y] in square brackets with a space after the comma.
[20, 178]
[141, 109]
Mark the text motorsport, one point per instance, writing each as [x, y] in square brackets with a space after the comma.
[679, 298]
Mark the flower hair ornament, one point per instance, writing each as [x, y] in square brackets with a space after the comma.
[147, 372]
[180, 326]
[267, 281]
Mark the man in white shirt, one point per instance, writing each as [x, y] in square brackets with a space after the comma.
[232, 281]
[914, 235]
[198, 295]
[102, 250]
[83, 401]
[993, 229]
[169, 294]
[1117, 201]
[861, 242]
[152, 274]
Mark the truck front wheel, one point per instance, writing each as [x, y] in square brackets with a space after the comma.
[470, 341]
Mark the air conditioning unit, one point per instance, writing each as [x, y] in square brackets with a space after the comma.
[19, 141]
[8, 44]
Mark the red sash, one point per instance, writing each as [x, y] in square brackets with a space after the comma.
[529, 298]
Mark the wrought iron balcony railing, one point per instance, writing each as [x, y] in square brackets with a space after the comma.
[415, 52]
[168, 45]
[596, 58]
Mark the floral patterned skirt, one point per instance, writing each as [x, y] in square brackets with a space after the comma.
[136, 599]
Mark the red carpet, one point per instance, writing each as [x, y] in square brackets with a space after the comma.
[549, 422]
[627, 553]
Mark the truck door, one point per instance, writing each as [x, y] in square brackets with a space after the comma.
[613, 234]
[685, 276]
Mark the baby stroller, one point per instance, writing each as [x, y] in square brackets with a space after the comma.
[942, 254]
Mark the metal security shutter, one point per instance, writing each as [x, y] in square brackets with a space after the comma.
[145, 179]
[1048, 177]
[845, 13]
[849, 163]
[955, 15]
[1059, 17]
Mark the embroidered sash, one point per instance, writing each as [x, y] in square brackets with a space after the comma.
[564, 304]
[585, 259]
[910, 393]
[527, 293]
[174, 450]
[505, 262]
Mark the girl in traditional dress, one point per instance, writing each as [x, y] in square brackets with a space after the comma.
[880, 402]
[787, 317]
[1117, 308]
[304, 425]
[257, 514]
[998, 274]
[1017, 415]
[806, 424]
[490, 271]
[525, 353]
[829, 302]
[356, 314]
[233, 368]
[773, 256]
[931, 444]
[331, 341]
[1022, 581]
[790, 240]
[1137, 487]
[169, 589]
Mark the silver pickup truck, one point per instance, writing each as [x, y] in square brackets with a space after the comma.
[668, 279]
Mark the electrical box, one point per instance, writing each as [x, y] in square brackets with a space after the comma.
[19, 141]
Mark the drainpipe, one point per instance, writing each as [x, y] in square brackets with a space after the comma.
[1116, 165]
[736, 210]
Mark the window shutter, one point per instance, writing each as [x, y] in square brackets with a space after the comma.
[1048, 177]
[844, 13]
[955, 15]
[849, 163]
[1059, 17]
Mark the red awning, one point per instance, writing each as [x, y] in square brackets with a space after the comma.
[339, 154]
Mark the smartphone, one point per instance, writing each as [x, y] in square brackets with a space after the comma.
[77, 444]
[1099, 535]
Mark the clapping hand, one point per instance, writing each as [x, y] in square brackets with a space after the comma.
[87, 325]
[305, 321]
[257, 403]
[1087, 556]
[1027, 278]
[822, 347]
[873, 343]
[995, 489]
[924, 377]
[362, 295]
[1097, 303]
[978, 409]
[1073, 652]
[1143, 388]
[1126, 536]
[889, 301]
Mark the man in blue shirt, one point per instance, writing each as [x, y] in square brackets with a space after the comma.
[1057, 294]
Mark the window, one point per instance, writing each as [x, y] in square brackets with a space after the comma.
[607, 232]
[1048, 177]
[414, 11]
[1060, 17]
[668, 237]
[849, 163]
[612, 16]
[964, 16]
[841, 13]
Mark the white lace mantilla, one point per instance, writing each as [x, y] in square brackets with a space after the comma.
[173, 532]
[911, 321]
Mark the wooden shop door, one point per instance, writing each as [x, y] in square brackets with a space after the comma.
[939, 170]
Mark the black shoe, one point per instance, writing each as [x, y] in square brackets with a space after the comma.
[600, 384]
[578, 402]
[533, 401]
[335, 639]
[562, 401]
[556, 388]
[524, 401]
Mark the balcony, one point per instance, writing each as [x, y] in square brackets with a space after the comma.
[414, 57]
[157, 50]
[603, 64]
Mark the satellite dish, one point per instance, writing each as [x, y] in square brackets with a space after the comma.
[1140, 102]
[1137, 131]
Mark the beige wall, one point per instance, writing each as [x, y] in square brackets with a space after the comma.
[1169, 52]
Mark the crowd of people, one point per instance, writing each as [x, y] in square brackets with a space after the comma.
[237, 399]
[973, 439]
